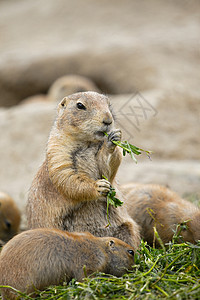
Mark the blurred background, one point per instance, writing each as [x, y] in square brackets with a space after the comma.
[144, 54]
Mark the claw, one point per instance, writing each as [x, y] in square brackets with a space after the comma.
[103, 186]
[115, 135]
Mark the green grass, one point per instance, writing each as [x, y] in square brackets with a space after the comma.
[173, 272]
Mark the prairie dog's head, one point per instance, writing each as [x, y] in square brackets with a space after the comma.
[70, 84]
[191, 230]
[187, 217]
[195, 226]
[120, 256]
[9, 217]
[85, 116]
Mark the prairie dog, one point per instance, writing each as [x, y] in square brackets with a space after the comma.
[63, 86]
[42, 257]
[9, 217]
[70, 84]
[68, 191]
[154, 205]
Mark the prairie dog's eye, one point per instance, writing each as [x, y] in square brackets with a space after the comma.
[80, 105]
[131, 252]
[8, 224]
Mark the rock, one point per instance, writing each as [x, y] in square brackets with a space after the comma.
[182, 176]
[164, 122]
[24, 131]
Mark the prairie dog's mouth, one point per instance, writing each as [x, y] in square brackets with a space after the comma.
[101, 133]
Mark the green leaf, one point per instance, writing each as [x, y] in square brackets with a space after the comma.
[130, 149]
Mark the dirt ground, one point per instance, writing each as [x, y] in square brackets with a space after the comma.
[144, 54]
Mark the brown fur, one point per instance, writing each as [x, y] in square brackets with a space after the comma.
[68, 191]
[168, 210]
[43, 257]
[9, 218]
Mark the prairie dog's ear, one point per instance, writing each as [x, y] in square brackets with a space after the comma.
[63, 103]
[62, 106]
[111, 244]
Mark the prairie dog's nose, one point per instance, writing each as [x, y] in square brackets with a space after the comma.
[107, 120]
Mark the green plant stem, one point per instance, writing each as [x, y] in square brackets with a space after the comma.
[107, 214]
[161, 290]
[111, 199]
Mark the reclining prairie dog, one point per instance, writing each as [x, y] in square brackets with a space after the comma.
[42, 257]
[63, 86]
[154, 205]
[68, 191]
[70, 84]
[9, 218]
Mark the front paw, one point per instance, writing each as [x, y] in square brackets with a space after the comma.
[114, 136]
[103, 187]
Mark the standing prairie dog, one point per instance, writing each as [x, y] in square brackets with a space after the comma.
[68, 191]
[9, 217]
[154, 205]
[42, 257]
